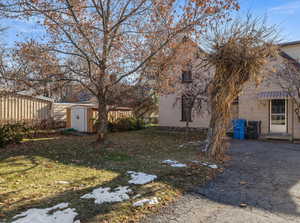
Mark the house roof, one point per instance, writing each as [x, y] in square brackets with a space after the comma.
[290, 43]
[25, 93]
[41, 97]
[291, 59]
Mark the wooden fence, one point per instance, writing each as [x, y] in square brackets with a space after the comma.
[60, 111]
[114, 115]
[26, 109]
[119, 113]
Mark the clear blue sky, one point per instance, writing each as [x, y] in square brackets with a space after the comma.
[284, 13]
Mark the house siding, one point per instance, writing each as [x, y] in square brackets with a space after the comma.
[170, 114]
[296, 126]
[253, 109]
[249, 107]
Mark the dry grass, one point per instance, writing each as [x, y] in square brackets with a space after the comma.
[30, 173]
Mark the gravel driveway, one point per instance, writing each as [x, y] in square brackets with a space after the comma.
[263, 175]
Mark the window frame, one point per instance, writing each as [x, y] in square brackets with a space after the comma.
[186, 76]
[184, 116]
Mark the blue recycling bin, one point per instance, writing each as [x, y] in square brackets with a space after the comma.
[239, 129]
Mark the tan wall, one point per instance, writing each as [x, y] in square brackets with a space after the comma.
[296, 126]
[20, 108]
[170, 114]
[249, 107]
[253, 109]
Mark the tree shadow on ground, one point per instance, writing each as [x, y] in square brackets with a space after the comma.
[263, 175]
[12, 163]
[111, 158]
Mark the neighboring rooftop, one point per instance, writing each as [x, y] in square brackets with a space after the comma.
[25, 93]
[290, 43]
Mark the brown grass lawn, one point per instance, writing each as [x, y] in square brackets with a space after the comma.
[31, 173]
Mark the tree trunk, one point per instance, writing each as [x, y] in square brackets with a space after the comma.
[186, 131]
[102, 122]
[220, 116]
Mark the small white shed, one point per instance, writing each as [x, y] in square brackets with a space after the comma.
[82, 117]
[79, 117]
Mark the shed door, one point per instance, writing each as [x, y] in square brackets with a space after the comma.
[79, 120]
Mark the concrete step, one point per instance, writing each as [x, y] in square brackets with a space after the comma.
[278, 136]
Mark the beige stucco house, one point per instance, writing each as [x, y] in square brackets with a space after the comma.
[268, 103]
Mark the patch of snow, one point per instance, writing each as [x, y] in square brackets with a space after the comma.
[62, 182]
[140, 178]
[174, 163]
[212, 166]
[199, 162]
[42, 215]
[193, 143]
[142, 202]
[105, 195]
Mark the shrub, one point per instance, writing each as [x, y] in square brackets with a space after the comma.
[110, 126]
[12, 133]
[126, 124]
[69, 131]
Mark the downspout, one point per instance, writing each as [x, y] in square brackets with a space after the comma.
[293, 111]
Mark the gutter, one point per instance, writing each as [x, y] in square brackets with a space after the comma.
[293, 125]
[289, 43]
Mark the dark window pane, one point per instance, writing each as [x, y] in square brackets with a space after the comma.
[187, 76]
[186, 109]
[278, 106]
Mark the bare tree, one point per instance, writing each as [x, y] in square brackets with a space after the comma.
[239, 52]
[3, 63]
[287, 76]
[32, 68]
[106, 42]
